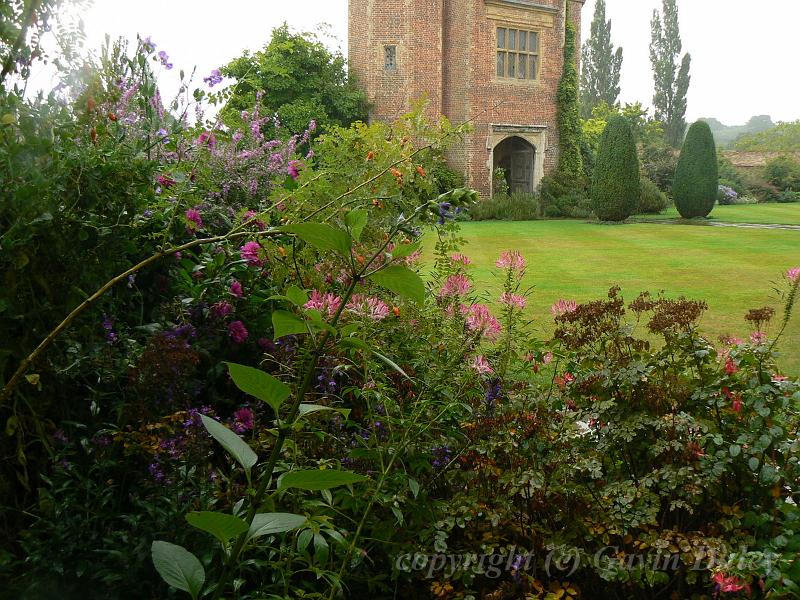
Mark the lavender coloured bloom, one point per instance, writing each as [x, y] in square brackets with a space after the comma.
[441, 457]
[444, 212]
[214, 78]
[493, 392]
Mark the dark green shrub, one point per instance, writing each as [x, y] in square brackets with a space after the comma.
[517, 207]
[652, 200]
[784, 173]
[616, 187]
[560, 197]
[758, 187]
[658, 165]
[697, 174]
[445, 178]
[730, 175]
[789, 196]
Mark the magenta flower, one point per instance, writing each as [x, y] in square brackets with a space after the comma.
[236, 289]
[222, 309]
[793, 274]
[251, 252]
[513, 300]
[562, 307]
[547, 358]
[327, 304]
[238, 332]
[461, 259]
[166, 181]
[511, 259]
[249, 217]
[480, 320]
[207, 138]
[758, 338]
[294, 168]
[194, 218]
[456, 285]
[481, 366]
[369, 307]
[243, 420]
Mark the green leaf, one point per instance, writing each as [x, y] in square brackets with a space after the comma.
[307, 409]
[404, 250]
[735, 450]
[178, 567]
[315, 479]
[285, 323]
[222, 526]
[233, 444]
[356, 220]
[413, 485]
[321, 236]
[402, 281]
[271, 523]
[296, 295]
[259, 384]
[304, 539]
[753, 463]
[388, 361]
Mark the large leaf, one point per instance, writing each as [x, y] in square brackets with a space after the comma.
[178, 567]
[271, 523]
[402, 281]
[315, 479]
[307, 409]
[321, 236]
[259, 384]
[285, 323]
[222, 526]
[404, 250]
[233, 444]
[356, 220]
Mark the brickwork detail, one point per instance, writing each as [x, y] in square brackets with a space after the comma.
[447, 50]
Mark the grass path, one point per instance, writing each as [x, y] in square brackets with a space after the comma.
[732, 269]
[778, 214]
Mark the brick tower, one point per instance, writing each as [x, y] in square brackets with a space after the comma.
[496, 63]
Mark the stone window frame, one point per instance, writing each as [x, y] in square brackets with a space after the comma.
[516, 52]
[390, 58]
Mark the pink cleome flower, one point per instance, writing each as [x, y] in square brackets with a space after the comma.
[730, 584]
[480, 320]
[251, 253]
[236, 289]
[513, 300]
[511, 259]
[327, 304]
[562, 307]
[460, 259]
[194, 219]
[481, 366]
[456, 285]
[238, 332]
[793, 274]
[369, 307]
[758, 338]
[294, 168]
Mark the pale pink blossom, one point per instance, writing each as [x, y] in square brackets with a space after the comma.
[327, 304]
[547, 358]
[460, 259]
[793, 274]
[414, 257]
[511, 259]
[562, 307]
[480, 320]
[513, 300]
[758, 338]
[456, 285]
[481, 366]
[369, 307]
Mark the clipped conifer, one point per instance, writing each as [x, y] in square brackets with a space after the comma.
[697, 174]
[615, 185]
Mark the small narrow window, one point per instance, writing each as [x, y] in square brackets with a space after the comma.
[390, 58]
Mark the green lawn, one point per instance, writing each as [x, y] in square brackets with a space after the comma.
[731, 269]
[779, 214]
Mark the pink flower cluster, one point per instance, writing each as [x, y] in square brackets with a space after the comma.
[251, 252]
[194, 219]
[327, 304]
[369, 307]
[238, 332]
[481, 366]
[456, 285]
[460, 259]
[513, 300]
[793, 274]
[562, 307]
[511, 259]
[730, 584]
[480, 320]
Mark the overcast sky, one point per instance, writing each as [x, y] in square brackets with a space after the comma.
[744, 53]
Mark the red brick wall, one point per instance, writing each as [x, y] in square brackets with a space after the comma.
[447, 49]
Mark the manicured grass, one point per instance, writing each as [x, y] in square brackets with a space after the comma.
[732, 269]
[778, 214]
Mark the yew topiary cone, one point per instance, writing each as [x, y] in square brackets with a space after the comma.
[615, 186]
[697, 174]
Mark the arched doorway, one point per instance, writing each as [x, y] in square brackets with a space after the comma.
[517, 158]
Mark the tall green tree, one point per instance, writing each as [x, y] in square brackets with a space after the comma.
[697, 173]
[570, 161]
[297, 78]
[601, 65]
[616, 186]
[671, 76]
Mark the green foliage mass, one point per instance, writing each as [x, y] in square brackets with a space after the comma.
[298, 78]
[784, 173]
[570, 163]
[616, 188]
[784, 137]
[652, 201]
[601, 65]
[697, 174]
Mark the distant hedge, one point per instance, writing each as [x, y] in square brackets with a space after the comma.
[697, 174]
[616, 187]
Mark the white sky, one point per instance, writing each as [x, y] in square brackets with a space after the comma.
[744, 53]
